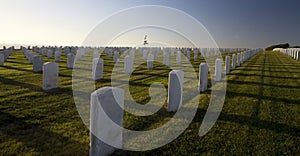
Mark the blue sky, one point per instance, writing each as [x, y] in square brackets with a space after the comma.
[232, 23]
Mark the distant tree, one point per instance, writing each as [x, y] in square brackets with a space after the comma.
[145, 40]
[284, 46]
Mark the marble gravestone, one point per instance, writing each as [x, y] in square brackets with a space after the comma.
[116, 56]
[227, 65]
[242, 58]
[156, 52]
[238, 59]
[106, 119]
[188, 55]
[50, 75]
[30, 57]
[110, 54]
[218, 70]
[37, 64]
[145, 52]
[49, 53]
[166, 59]
[96, 54]
[233, 61]
[57, 56]
[203, 77]
[97, 69]
[172, 51]
[150, 61]
[195, 55]
[178, 57]
[175, 90]
[128, 66]
[70, 61]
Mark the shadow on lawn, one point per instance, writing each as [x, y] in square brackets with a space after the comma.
[269, 125]
[36, 137]
[56, 91]
[253, 120]
[19, 69]
[12, 60]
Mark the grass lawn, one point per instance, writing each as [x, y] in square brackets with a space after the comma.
[261, 114]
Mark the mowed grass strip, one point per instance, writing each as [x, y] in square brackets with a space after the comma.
[261, 113]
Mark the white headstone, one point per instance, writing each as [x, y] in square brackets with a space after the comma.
[70, 61]
[227, 65]
[178, 57]
[49, 53]
[116, 56]
[188, 55]
[145, 52]
[233, 61]
[166, 59]
[50, 75]
[238, 59]
[132, 54]
[242, 58]
[195, 55]
[156, 53]
[150, 61]
[203, 77]
[128, 66]
[96, 54]
[57, 56]
[106, 120]
[218, 70]
[97, 69]
[175, 89]
[110, 54]
[37, 64]
[30, 57]
[172, 51]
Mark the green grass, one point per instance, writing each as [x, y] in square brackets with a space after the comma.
[261, 114]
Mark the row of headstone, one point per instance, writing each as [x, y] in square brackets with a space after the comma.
[98, 67]
[68, 50]
[103, 128]
[114, 52]
[237, 60]
[231, 50]
[48, 51]
[28, 55]
[5, 54]
[37, 61]
[106, 129]
[292, 52]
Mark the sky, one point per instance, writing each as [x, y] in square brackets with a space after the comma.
[231, 23]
